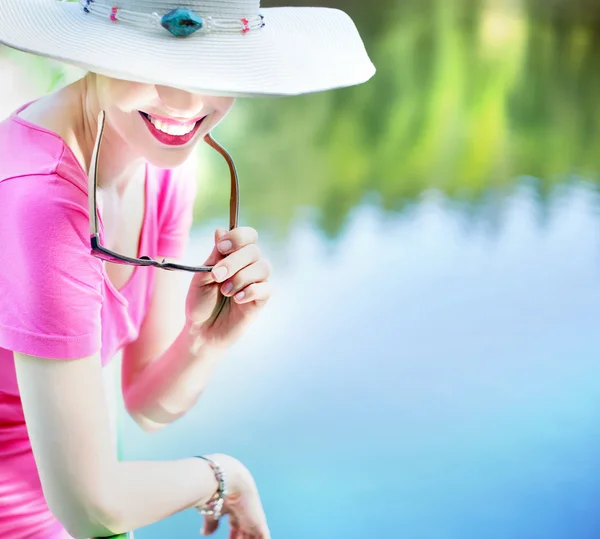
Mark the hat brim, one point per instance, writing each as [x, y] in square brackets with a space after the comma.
[300, 50]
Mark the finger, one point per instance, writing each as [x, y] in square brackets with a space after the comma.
[220, 233]
[210, 526]
[254, 273]
[236, 239]
[255, 526]
[234, 262]
[260, 530]
[261, 533]
[233, 519]
[258, 292]
[235, 533]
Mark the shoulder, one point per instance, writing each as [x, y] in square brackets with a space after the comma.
[43, 214]
[27, 150]
[45, 200]
[51, 293]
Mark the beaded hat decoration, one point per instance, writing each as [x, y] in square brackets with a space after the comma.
[215, 47]
[181, 22]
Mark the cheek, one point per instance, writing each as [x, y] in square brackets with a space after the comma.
[128, 125]
[227, 105]
[137, 96]
[217, 119]
[122, 100]
[222, 106]
[126, 96]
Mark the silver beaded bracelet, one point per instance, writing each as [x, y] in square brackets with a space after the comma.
[214, 507]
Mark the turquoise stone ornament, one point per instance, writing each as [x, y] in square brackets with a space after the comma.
[182, 22]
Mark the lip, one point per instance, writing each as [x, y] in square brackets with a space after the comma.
[172, 140]
[173, 121]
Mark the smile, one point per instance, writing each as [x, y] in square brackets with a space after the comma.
[172, 132]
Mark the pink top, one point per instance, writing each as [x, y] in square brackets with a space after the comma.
[56, 300]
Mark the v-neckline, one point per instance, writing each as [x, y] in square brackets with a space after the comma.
[117, 292]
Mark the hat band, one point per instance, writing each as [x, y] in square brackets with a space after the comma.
[180, 22]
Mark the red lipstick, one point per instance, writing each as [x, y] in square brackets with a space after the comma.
[165, 138]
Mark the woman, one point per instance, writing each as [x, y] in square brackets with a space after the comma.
[76, 284]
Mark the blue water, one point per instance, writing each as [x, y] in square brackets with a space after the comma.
[429, 376]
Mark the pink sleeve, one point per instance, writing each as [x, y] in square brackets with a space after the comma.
[176, 210]
[50, 284]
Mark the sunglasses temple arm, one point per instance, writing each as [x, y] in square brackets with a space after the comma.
[234, 202]
[234, 207]
[92, 177]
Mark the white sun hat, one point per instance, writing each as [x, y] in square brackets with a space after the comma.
[217, 47]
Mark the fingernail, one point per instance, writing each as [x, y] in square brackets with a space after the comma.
[227, 288]
[220, 273]
[224, 246]
[240, 295]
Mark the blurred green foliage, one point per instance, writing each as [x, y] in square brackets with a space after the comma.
[470, 96]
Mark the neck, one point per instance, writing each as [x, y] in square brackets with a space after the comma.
[117, 165]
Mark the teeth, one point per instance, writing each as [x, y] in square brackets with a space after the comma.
[170, 129]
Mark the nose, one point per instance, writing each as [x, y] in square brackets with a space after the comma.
[180, 103]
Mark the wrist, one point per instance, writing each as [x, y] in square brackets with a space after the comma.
[226, 472]
[197, 343]
[236, 473]
[193, 334]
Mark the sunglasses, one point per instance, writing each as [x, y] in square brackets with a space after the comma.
[103, 253]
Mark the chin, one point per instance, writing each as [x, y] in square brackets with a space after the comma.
[169, 159]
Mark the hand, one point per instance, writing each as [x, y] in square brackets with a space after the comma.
[241, 274]
[243, 506]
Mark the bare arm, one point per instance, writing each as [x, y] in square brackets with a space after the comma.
[86, 487]
[166, 369]
[161, 388]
